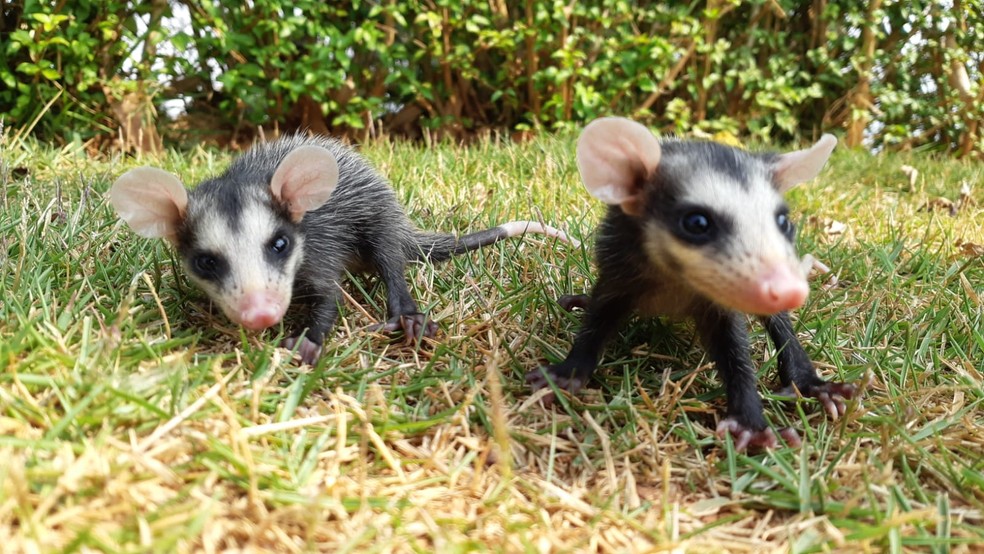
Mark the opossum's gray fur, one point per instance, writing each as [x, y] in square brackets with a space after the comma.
[361, 227]
[697, 230]
[363, 206]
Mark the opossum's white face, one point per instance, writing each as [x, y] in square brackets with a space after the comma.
[239, 240]
[730, 238]
[711, 215]
[245, 260]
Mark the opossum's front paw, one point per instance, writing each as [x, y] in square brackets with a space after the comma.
[833, 396]
[755, 439]
[307, 349]
[417, 326]
[562, 376]
[571, 301]
[414, 326]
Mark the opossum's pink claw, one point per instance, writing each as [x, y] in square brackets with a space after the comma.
[791, 437]
[537, 381]
[540, 378]
[414, 326]
[417, 326]
[755, 440]
[833, 396]
[571, 301]
[307, 349]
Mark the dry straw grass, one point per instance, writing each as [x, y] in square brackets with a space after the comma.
[134, 419]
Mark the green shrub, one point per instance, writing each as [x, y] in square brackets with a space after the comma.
[59, 63]
[773, 69]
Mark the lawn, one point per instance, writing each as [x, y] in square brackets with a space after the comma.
[134, 417]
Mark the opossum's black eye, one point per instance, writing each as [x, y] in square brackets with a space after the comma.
[206, 266]
[280, 244]
[697, 226]
[785, 225]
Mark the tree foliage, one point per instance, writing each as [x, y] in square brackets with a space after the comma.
[889, 73]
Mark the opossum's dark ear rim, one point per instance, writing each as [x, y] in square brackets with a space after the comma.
[305, 179]
[793, 168]
[616, 157]
[151, 201]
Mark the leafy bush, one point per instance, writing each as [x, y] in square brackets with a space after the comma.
[892, 74]
[62, 68]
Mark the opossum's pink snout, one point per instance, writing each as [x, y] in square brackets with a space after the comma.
[779, 289]
[259, 310]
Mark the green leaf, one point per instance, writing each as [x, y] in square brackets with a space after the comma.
[28, 68]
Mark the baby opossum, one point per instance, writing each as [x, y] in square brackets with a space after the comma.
[280, 227]
[698, 230]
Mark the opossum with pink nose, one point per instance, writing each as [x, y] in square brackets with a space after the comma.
[698, 230]
[282, 224]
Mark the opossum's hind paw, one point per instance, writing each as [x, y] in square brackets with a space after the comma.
[833, 396]
[307, 349]
[541, 377]
[571, 301]
[755, 440]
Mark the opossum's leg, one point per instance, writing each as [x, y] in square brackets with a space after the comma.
[401, 309]
[725, 338]
[310, 333]
[605, 310]
[794, 363]
[796, 371]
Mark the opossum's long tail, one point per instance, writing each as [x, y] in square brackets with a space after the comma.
[437, 247]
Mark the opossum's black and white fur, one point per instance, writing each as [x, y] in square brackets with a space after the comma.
[698, 230]
[281, 226]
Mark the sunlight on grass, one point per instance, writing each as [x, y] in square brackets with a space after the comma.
[135, 417]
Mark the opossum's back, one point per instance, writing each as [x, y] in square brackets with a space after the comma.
[362, 200]
[260, 162]
[361, 215]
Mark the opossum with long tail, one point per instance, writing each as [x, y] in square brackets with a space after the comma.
[282, 224]
[698, 230]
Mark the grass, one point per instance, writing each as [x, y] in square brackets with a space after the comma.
[133, 417]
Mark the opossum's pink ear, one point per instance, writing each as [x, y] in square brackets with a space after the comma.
[151, 201]
[796, 167]
[616, 156]
[305, 179]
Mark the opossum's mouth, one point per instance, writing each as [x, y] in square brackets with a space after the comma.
[258, 310]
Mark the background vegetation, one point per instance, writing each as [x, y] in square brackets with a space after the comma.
[890, 73]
